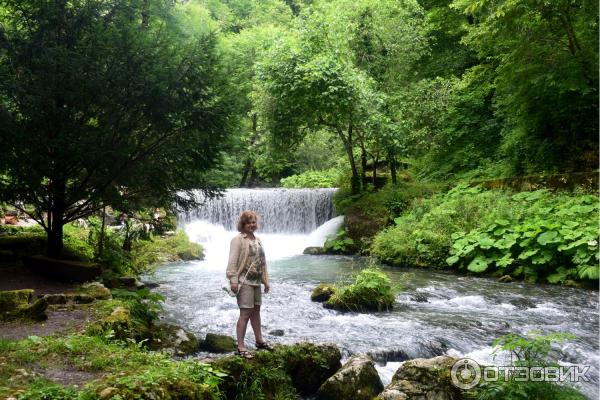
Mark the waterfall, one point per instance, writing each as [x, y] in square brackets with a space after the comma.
[280, 210]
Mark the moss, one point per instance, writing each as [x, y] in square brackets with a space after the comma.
[67, 270]
[358, 379]
[215, 343]
[371, 291]
[322, 292]
[118, 322]
[95, 290]
[15, 304]
[173, 339]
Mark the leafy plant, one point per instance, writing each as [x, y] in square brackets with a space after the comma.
[313, 179]
[372, 290]
[340, 243]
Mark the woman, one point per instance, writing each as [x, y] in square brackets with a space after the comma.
[246, 270]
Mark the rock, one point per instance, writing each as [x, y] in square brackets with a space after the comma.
[571, 283]
[15, 304]
[96, 290]
[277, 332]
[310, 365]
[130, 282]
[357, 379]
[419, 298]
[59, 298]
[423, 379]
[314, 250]
[216, 343]
[174, 339]
[150, 285]
[322, 293]
[108, 392]
[119, 321]
[81, 298]
[66, 270]
[505, 279]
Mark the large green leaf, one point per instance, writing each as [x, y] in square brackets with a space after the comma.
[548, 237]
[479, 264]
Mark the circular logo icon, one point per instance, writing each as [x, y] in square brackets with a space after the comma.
[465, 374]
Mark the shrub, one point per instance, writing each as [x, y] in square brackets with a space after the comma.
[312, 179]
[147, 254]
[339, 243]
[371, 291]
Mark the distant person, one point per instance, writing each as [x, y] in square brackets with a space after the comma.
[246, 271]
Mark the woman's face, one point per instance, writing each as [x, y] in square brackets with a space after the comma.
[251, 225]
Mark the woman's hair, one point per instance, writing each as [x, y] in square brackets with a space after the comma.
[244, 218]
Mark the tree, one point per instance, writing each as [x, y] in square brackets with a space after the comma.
[103, 102]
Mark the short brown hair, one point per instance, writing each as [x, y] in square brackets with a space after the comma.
[244, 218]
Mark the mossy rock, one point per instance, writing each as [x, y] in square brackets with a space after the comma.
[174, 339]
[284, 373]
[322, 293]
[16, 304]
[23, 241]
[119, 321]
[95, 290]
[423, 379]
[357, 379]
[216, 343]
[363, 300]
[314, 251]
[193, 252]
[65, 270]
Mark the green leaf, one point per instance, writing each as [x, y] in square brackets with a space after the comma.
[548, 237]
[528, 253]
[479, 264]
[452, 260]
[502, 222]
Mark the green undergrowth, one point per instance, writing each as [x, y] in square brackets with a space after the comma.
[372, 290]
[124, 368]
[540, 236]
[147, 254]
[313, 179]
[531, 350]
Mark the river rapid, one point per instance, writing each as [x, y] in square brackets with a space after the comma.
[435, 313]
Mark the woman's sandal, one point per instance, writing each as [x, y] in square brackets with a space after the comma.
[264, 346]
[245, 354]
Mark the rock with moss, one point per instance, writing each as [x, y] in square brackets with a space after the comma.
[372, 291]
[118, 321]
[314, 251]
[174, 339]
[322, 292]
[65, 270]
[16, 304]
[357, 379]
[423, 379]
[284, 373]
[96, 290]
[216, 343]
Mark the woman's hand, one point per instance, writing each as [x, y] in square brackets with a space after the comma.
[267, 288]
[234, 287]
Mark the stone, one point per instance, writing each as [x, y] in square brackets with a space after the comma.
[108, 392]
[130, 282]
[277, 332]
[174, 339]
[81, 298]
[419, 298]
[119, 321]
[216, 343]
[96, 290]
[59, 298]
[505, 279]
[310, 365]
[322, 293]
[357, 379]
[15, 304]
[423, 379]
[314, 251]
[65, 270]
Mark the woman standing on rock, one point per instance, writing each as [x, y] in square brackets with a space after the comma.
[246, 271]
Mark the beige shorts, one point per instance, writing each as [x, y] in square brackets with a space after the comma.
[249, 296]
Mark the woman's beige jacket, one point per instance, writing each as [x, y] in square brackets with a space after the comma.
[238, 256]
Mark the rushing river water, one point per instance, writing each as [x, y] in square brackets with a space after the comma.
[435, 313]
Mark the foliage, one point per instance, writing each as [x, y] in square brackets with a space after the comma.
[537, 235]
[93, 96]
[371, 291]
[552, 237]
[339, 243]
[534, 349]
[126, 366]
[147, 254]
[143, 305]
[312, 179]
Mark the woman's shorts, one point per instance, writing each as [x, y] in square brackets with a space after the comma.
[249, 296]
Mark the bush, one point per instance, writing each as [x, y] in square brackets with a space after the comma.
[536, 235]
[147, 254]
[312, 179]
[531, 350]
[339, 243]
[371, 291]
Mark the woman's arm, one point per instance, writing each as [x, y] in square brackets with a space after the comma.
[234, 254]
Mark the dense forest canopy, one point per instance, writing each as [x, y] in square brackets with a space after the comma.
[128, 103]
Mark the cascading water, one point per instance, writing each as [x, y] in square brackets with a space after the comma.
[435, 313]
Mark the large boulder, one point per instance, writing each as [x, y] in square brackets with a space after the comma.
[96, 290]
[357, 379]
[309, 365]
[174, 339]
[119, 321]
[65, 270]
[314, 251]
[216, 343]
[322, 293]
[16, 304]
[423, 379]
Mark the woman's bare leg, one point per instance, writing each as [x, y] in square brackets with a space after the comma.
[242, 323]
[255, 322]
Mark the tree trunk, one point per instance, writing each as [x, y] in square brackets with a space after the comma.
[102, 229]
[392, 161]
[363, 164]
[347, 141]
[375, 160]
[56, 215]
